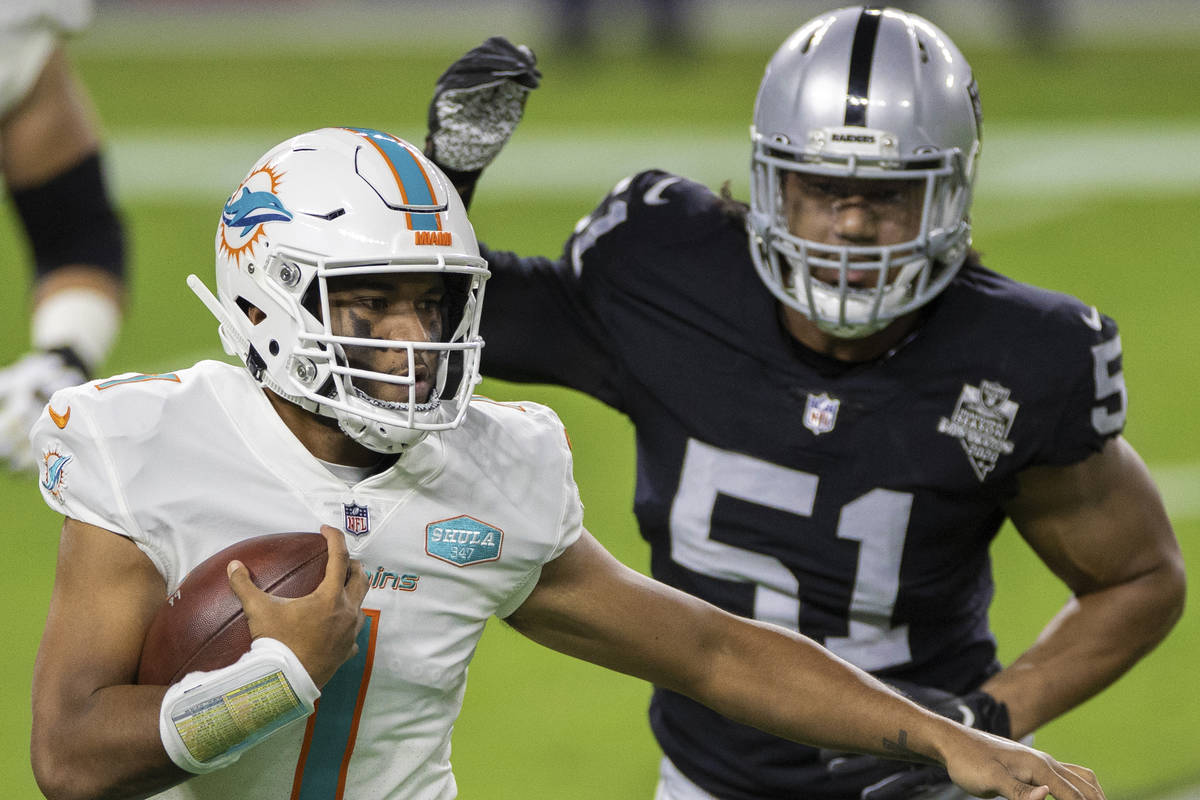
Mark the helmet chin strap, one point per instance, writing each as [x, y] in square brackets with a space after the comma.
[392, 440]
[851, 331]
[829, 300]
[377, 436]
[429, 405]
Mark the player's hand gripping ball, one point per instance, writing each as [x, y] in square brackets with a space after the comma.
[202, 626]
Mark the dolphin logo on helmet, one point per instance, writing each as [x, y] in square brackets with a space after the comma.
[247, 209]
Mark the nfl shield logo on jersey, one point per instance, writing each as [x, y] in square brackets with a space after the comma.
[820, 413]
[358, 519]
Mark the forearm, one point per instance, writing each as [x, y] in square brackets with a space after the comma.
[588, 605]
[802, 692]
[1090, 643]
[106, 745]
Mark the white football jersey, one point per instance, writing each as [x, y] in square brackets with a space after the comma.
[187, 463]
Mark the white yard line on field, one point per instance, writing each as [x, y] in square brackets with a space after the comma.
[1178, 793]
[1180, 487]
[136, 28]
[1055, 162]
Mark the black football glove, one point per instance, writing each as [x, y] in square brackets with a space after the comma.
[884, 779]
[476, 106]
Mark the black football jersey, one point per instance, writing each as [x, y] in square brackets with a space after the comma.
[852, 502]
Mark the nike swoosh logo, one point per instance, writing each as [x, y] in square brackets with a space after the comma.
[60, 420]
[1092, 320]
[653, 195]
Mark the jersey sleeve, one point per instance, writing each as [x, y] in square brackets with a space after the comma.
[76, 473]
[538, 328]
[549, 320]
[1095, 401]
[567, 519]
[107, 458]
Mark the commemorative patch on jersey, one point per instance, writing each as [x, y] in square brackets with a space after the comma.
[357, 521]
[54, 471]
[463, 541]
[820, 413]
[981, 421]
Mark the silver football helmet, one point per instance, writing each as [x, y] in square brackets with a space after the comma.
[335, 205]
[864, 93]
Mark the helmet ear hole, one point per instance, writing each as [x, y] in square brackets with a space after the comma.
[273, 347]
[253, 313]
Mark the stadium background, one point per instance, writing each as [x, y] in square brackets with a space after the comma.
[1090, 185]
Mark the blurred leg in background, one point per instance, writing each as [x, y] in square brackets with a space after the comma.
[51, 164]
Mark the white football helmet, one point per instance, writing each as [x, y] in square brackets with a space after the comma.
[865, 93]
[332, 204]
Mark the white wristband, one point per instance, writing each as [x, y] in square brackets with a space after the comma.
[82, 319]
[208, 719]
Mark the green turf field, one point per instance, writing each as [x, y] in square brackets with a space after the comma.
[1084, 218]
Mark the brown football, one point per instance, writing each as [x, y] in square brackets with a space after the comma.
[202, 627]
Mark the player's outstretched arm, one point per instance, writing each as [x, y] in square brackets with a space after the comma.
[590, 606]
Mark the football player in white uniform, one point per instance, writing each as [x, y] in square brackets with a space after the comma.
[349, 283]
[51, 165]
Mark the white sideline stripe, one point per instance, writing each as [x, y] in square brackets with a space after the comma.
[1180, 488]
[1178, 483]
[1018, 162]
[137, 29]
[1186, 793]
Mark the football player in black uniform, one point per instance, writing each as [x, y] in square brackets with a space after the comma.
[836, 405]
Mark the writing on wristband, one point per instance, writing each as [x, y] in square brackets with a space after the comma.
[209, 719]
[239, 718]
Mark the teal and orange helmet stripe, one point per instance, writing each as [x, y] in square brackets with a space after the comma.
[416, 189]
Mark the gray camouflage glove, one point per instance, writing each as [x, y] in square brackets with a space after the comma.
[476, 106]
[25, 386]
[884, 779]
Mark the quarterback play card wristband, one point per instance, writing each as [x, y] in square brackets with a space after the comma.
[209, 719]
